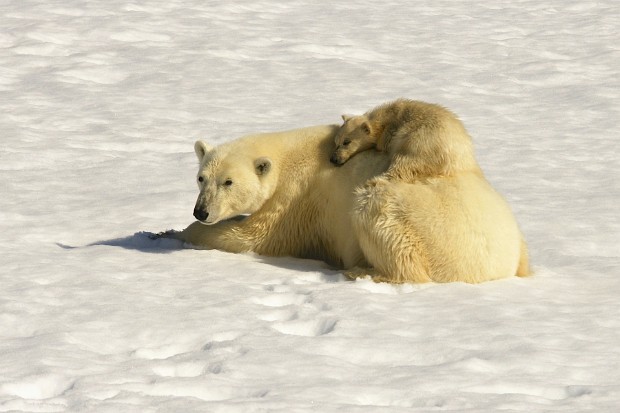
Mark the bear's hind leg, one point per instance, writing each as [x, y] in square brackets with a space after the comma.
[358, 272]
[386, 237]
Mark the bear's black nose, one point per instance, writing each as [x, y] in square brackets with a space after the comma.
[200, 214]
[334, 159]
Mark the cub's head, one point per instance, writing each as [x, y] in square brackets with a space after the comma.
[231, 183]
[354, 136]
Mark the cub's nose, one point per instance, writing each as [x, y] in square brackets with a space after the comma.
[334, 159]
[200, 214]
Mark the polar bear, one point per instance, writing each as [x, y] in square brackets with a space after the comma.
[277, 194]
[420, 131]
[441, 192]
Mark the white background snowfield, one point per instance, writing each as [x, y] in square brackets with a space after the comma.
[100, 104]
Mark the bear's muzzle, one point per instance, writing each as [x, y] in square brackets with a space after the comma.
[200, 214]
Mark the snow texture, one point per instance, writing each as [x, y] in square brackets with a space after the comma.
[100, 103]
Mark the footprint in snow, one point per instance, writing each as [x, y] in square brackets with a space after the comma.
[307, 328]
[281, 299]
[294, 312]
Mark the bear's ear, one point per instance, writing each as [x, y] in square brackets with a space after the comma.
[365, 128]
[262, 165]
[201, 148]
[347, 118]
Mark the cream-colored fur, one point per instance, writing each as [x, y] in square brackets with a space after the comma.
[304, 209]
[430, 138]
[437, 229]
[459, 227]
[441, 230]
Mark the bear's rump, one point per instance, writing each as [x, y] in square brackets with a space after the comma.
[462, 228]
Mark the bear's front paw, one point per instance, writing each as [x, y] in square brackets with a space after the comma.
[171, 233]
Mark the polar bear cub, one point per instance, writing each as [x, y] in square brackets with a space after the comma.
[429, 136]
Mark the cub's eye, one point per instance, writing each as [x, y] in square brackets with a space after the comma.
[228, 182]
[201, 179]
[346, 143]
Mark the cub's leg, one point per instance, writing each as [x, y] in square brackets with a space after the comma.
[386, 235]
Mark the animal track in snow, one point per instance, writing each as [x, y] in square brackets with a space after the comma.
[278, 314]
[307, 328]
[292, 311]
[281, 299]
[211, 358]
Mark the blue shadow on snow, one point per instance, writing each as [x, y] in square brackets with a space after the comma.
[140, 241]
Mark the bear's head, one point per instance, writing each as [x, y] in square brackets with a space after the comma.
[231, 183]
[354, 136]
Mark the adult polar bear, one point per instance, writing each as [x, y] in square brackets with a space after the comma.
[300, 205]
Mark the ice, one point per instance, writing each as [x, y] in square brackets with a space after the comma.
[100, 105]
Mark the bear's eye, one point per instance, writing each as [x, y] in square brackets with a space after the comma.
[201, 179]
[346, 143]
[228, 182]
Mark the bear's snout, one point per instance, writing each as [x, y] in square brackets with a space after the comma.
[334, 159]
[200, 214]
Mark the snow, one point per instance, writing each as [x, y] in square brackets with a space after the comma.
[100, 105]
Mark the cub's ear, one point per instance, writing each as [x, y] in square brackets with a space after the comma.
[347, 118]
[365, 128]
[262, 165]
[202, 148]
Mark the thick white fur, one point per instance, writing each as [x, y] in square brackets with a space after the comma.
[436, 229]
[440, 229]
[305, 209]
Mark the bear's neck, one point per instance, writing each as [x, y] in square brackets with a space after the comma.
[378, 135]
[292, 213]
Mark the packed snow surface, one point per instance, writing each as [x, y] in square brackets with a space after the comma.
[100, 103]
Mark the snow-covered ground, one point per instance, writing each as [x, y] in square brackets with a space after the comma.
[100, 103]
